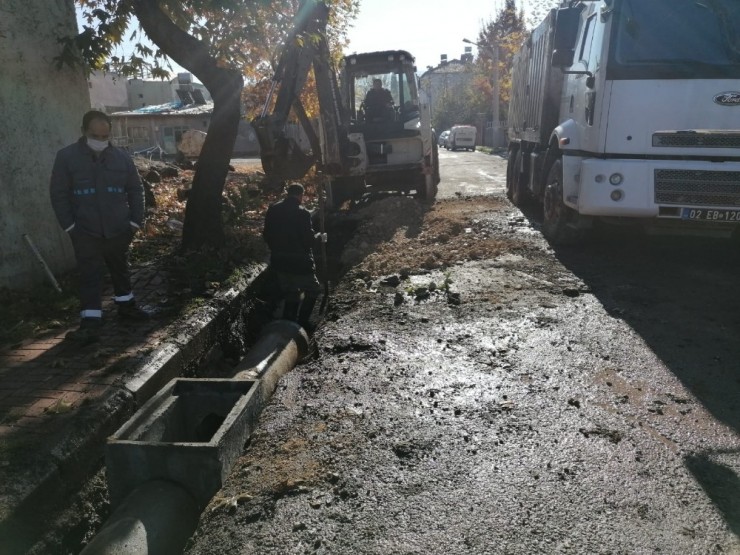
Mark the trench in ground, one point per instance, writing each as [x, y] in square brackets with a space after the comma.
[78, 520]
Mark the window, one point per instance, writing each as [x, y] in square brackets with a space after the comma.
[588, 36]
[676, 39]
[172, 136]
[138, 134]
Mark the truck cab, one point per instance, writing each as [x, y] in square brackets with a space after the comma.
[630, 109]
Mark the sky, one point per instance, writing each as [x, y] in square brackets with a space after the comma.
[425, 28]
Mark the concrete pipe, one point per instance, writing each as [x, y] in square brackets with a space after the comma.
[279, 348]
[158, 517]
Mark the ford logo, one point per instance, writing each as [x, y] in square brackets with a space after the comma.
[731, 98]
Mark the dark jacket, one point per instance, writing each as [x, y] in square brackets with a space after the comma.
[378, 98]
[101, 195]
[289, 234]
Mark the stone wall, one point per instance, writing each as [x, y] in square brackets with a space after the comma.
[41, 111]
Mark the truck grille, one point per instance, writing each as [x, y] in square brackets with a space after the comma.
[701, 140]
[697, 187]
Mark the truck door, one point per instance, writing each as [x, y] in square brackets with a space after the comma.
[596, 95]
[584, 99]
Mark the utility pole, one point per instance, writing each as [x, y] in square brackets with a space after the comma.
[496, 94]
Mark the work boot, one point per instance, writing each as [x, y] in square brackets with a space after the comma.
[87, 333]
[290, 311]
[128, 310]
[304, 315]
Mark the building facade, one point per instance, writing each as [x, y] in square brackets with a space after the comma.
[157, 130]
[448, 80]
[112, 92]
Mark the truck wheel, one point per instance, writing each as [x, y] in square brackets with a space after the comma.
[559, 224]
[509, 172]
[516, 185]
[435, 153]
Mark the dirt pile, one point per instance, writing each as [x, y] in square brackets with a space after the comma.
[401, 235]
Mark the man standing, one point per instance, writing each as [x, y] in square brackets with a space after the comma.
[98, 199]
[289, 234]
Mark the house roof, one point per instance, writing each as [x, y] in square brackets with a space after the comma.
[452, 66]
[174, 108]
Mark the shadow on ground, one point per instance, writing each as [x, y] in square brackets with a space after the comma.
[721, 484]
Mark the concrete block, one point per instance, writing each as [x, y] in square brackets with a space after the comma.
[190, 433]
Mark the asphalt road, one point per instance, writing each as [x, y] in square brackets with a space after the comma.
[471, 173]
[580, 400]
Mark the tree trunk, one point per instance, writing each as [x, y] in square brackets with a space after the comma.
[203, 224]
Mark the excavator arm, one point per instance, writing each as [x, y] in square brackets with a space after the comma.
[306, 46]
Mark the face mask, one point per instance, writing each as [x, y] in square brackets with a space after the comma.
[97, 146]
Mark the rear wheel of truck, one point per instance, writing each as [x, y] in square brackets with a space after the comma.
[560, 222]
[509, 170]
[516, 181]
[435, 164]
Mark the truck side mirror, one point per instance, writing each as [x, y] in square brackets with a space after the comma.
[566, 33]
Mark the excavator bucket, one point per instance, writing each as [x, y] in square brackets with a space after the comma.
[282, 157]
[286, 161]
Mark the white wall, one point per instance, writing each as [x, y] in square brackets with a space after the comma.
[41, 112]
[108, 92]
[148, 93]
[155, 92]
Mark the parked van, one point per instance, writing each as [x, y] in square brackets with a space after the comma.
[462, 136]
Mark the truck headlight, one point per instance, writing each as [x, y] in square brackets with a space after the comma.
[616, 179]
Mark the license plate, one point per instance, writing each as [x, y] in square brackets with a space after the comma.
[710, 215]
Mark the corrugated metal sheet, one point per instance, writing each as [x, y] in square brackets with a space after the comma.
[175, 108]
[536, 87]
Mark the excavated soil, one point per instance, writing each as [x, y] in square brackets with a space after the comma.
[477, 391]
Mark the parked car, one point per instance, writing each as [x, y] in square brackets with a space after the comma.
[462, 136]
[442, 140]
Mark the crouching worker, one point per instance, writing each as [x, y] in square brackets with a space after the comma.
[289, 235]
[98, 199]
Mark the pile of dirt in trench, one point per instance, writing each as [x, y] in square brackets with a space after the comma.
[401, 235]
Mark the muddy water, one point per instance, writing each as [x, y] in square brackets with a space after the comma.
[581, 400]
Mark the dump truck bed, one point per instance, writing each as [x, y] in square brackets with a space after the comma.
[536, 87]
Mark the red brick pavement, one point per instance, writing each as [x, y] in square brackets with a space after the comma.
[49, 366]
[47, 382]
[59, 402]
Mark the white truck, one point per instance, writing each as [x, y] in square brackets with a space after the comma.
[629, 110]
